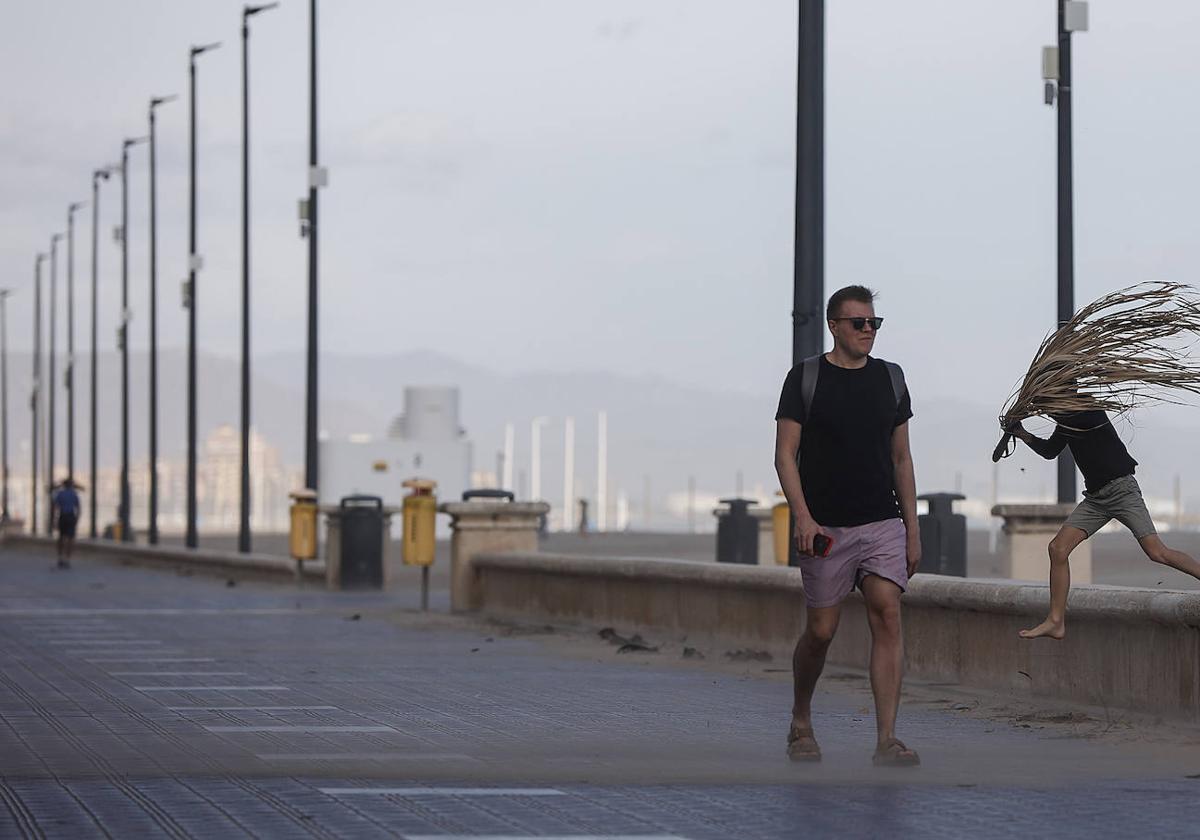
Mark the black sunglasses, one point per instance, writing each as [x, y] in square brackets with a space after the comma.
[860, 324]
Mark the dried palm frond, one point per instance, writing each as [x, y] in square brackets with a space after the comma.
[1127, 348]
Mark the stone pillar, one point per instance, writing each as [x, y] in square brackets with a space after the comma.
[486, 527]
[1025, 536]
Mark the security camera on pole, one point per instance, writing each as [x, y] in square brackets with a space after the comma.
[1056, 70]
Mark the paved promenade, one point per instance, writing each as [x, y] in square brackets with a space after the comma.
[146, 703]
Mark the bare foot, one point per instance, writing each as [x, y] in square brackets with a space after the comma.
[1049, 627]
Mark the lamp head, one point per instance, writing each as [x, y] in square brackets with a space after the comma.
[76, 205]
[54, 239]
[203, 48]
[162, 100]
[250, 11]
[133, 141]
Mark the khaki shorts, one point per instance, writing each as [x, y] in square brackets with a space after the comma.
[1120, 499]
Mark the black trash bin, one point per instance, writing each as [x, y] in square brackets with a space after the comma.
[943, 536]
[737, 533]
[362, 542]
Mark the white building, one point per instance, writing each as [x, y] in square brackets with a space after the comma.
[426, 441]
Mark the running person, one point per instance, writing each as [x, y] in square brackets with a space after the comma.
[843, 459]
[1111, 492]
[66, 507]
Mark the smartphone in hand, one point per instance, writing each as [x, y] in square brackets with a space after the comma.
[822, 543]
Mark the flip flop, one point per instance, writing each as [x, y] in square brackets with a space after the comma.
[802, 745]
[895, 754]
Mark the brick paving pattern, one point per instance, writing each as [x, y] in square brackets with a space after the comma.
[142, 703]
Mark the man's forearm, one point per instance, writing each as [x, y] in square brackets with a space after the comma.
[906, 492]
[793, 489]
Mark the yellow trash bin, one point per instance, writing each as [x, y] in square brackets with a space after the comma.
[302, 539]
[418, 546]
[780, 522]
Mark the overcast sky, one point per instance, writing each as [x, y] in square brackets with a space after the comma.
[609, 185]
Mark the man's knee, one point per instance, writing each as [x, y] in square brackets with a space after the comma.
[1059, 551]
[818, 637]
[885, 619]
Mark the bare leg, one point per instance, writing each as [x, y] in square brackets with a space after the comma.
[1159, 553]
[887, 652]
[808, 660]
[1064, 542]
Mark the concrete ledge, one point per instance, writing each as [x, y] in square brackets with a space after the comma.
[217, 562]
[1136, 649]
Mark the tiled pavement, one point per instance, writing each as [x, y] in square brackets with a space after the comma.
[141, 703]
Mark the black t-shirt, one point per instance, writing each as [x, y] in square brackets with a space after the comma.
[846, 445]
[1098, 451]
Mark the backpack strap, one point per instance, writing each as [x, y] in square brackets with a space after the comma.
[808, 382]
[897, 376]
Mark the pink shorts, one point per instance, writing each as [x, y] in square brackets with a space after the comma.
[878, 548]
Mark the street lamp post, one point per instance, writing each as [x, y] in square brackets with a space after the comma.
[244, 512]
[70, 371]
[35, 396]
[153, 527]
[4, 293]
[51, 383]
[808, 322]
[97, 177]
[1056, 66]
[123, 338]
[316, 179]
[189, 298]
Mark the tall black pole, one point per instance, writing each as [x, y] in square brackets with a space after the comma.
[126, 530]
[96, 178]
[4, 293]
[35, 398]
[70, 372]
[190, 535]
[244, 517]
[244, 499]
[808, 323]
[1067, 488]
[51, 383]
[153, 526]
[310, 415]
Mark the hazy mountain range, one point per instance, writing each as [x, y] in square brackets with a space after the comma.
[657, 429]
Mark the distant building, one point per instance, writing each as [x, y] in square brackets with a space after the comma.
[426, 441]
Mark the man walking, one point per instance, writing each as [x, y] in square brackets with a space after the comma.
[66, 508]
[843, 459]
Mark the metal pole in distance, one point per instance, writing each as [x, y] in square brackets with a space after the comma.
[244, 513]
[96, 177]
[809, 276]
[123, 334]
[35, 397]
[4, 293]
[424, 589]
[190, 537]
[1067, 487]
[70, 372]
[153, 502]
[311, 476]
[51, 383]
[153, 527]
[244, 503]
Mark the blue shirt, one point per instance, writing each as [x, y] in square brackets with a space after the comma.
[67, 501]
